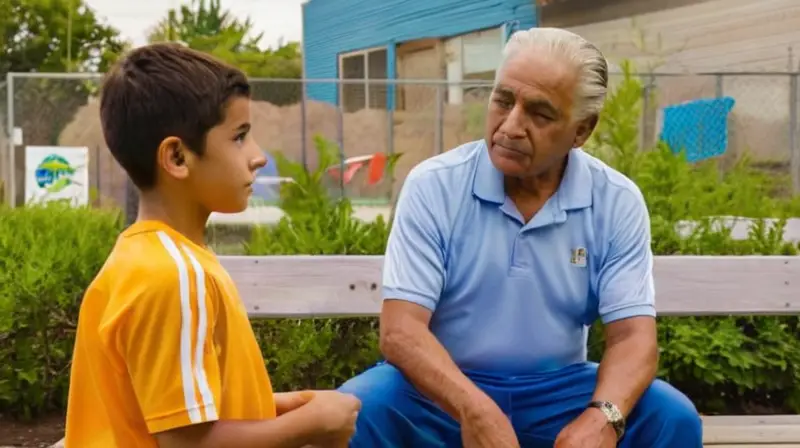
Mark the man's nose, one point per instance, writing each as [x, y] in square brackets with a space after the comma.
[514, 124]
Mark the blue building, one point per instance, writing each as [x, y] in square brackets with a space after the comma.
[456, 40]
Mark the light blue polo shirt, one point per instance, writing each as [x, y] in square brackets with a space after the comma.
[513, 297]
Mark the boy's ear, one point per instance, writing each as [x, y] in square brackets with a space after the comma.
[172, 158]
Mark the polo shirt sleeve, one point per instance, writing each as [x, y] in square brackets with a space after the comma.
[625, 281]
[413, 268]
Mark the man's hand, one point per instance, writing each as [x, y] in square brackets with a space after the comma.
[488, 427]
[589, 430]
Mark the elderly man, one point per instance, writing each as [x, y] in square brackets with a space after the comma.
[502, 253]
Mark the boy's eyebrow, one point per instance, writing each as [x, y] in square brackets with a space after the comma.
[244, 127]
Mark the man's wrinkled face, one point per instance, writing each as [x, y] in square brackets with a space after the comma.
[530, 126]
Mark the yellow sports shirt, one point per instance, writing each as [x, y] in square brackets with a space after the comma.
[163, 342]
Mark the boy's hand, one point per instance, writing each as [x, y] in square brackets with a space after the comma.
[289, 401]
[336, 414]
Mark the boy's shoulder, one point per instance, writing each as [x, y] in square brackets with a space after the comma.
[152, 259]
[145, 255]
[151, 275]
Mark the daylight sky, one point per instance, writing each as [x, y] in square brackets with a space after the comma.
[276, 18]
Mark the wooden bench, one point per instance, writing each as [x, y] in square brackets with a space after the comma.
[349, 286]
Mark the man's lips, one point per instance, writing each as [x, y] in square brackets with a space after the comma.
[510, 149]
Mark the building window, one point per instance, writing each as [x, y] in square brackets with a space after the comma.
[472, 57]
[482, 53]
[363, 65]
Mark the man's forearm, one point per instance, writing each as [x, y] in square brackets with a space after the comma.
[427, 365]
[628, 368]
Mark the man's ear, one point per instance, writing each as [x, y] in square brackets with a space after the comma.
[585, 129]
[172, 157]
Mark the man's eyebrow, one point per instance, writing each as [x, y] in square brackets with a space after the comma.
[530, 104]
[542, 104]
[504, 91]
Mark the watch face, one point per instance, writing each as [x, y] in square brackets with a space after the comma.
[611, 412]
[614, 416]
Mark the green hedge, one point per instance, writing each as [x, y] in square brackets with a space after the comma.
[48, 256]
[50, 253]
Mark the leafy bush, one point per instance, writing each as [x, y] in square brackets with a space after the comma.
[327, 351]
[48, 255]
[749, 364]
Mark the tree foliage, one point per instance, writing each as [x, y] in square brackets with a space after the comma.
[35, 36]
[204, 25]
[52, 36]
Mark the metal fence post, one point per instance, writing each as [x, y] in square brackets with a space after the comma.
[719, 91]
[303, 118]
[390, 123]
[794, 161]
[11, 191]
[390, 135]
[645, 112]
[340, 141]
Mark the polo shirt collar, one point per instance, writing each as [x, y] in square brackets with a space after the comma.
[488, 182]
[574, 192]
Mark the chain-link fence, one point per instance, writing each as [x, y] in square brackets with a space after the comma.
[756, 112]
[59, 110]
[734, 113]
[421, 124]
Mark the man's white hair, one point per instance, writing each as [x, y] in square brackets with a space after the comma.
[586, 58]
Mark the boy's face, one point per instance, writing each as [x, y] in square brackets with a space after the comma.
[221, 179]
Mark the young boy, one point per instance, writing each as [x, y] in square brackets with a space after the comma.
[165, 354]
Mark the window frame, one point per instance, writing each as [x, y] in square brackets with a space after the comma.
[364, 54]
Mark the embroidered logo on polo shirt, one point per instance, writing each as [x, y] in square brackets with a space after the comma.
[578, 257]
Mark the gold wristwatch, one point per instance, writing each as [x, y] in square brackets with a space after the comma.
[612, 413]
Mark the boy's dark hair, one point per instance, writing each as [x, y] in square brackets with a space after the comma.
[163, 90]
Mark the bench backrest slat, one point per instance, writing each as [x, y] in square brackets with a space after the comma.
[342, 285]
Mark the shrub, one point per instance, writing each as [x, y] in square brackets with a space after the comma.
[48, 256]
[331, 350]
[748, 364]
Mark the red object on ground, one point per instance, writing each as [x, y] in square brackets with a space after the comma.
[349, 171]
[376, 166]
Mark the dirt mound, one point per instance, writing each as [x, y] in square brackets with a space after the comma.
[107, 180]
[280, 128]
[414, 134]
